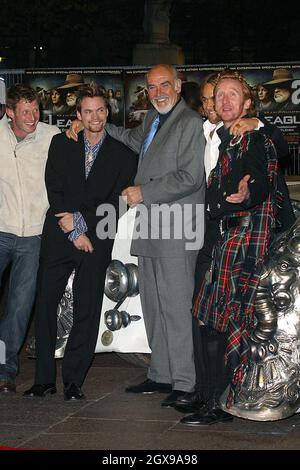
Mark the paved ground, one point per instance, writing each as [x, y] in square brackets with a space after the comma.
[111, 419]
[294, 189]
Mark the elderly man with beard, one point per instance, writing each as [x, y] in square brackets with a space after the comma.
[80, 177]
[170, 173]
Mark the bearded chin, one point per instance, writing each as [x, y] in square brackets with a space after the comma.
[162, 110]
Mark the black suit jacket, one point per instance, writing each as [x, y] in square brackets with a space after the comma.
[248, 157]
[69, 191]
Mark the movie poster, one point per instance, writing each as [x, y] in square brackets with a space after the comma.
[58, 90]
[276, 90]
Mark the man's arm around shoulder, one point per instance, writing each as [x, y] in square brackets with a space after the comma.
[47, 129]
[189, 174]
[132, 138]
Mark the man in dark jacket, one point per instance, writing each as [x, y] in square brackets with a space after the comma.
[240, 196]
[80, 177]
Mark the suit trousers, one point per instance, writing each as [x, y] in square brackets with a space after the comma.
[88, 286]
[166, 288]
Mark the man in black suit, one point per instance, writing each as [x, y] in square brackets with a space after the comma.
[80, 177]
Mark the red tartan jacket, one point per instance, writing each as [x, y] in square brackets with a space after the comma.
[225, 301]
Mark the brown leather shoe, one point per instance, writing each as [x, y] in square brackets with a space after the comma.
[7, 386]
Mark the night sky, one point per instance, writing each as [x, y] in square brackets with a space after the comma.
[79, 33]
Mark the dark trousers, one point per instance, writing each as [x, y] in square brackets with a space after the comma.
[212, 376]
[88, 285]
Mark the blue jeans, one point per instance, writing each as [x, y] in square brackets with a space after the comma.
[22, 253]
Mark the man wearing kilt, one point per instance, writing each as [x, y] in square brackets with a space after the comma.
[241, 198]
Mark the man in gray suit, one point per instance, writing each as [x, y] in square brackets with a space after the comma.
[171, 173]
[169, 194]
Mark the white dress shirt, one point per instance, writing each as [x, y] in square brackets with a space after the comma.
[211, 153]
[213, 141]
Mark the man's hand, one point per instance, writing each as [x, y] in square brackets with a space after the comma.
[132, 195]
[242, 125]
[72, 132]
[66, 221]
[83, 243]
[243, 192]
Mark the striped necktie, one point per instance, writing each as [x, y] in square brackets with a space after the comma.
[150, 135]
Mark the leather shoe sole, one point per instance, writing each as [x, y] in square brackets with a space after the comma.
[40, 391]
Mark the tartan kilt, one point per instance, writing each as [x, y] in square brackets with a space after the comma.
[225, 301]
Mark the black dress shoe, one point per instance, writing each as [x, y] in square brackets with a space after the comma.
[149, 386]
[172, 398]
[209, 417]
[73, 392]
[190, 402]
[40, 391]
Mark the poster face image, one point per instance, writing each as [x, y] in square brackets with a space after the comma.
[136, 97]
[277, 92]
[58, 91]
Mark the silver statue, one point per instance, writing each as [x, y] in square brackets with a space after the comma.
[271, 389]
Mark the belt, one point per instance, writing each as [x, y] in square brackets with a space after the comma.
[231, 222]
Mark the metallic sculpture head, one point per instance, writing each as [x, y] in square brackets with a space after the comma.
[271, 389]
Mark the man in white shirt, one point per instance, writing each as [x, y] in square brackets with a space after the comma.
[24, 144]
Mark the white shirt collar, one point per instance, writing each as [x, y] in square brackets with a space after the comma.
[209, 126]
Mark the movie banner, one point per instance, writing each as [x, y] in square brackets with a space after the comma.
[58, 91]
[276, 89]
[136, 97]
